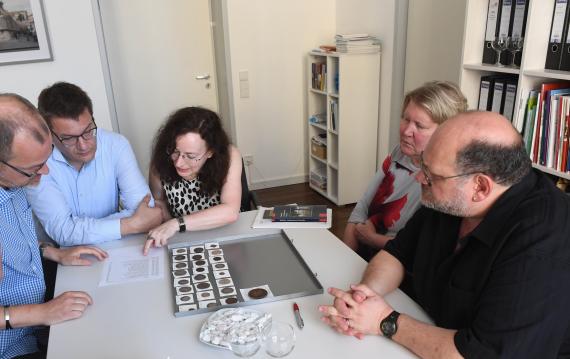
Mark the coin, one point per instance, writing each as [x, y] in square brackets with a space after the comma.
[203, 285]
[224, 281]
[183, 281]
[231, 300]
[179, 257]
[196, 256]
[257, 293]
[198, 250]
[185, 289]
[179, 272]
[200, 263]
[227, 290]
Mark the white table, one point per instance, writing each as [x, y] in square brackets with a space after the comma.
[136, 320]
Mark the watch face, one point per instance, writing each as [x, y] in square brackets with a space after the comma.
[388, 328]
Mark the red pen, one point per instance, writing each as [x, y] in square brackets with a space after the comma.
[298, 318]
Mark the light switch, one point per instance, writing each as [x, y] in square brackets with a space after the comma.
[243, 75]
[244, 89]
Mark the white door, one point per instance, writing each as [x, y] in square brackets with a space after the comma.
[161, 58]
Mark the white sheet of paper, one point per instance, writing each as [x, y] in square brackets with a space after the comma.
[127, 264]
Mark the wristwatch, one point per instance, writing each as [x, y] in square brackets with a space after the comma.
[7, 318]
[181, 224]
[389, 325]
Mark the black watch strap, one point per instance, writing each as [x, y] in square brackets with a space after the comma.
[389, 325]
[181, 224]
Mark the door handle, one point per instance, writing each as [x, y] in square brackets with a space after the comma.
[203, 77]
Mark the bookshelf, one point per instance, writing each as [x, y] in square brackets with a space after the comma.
[350, 122]
[531, 73]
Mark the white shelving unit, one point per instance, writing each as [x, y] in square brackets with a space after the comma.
[350, 160]
[531, 73]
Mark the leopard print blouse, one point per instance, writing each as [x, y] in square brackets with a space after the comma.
[184, 197]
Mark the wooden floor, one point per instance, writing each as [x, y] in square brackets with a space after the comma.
[303, 194]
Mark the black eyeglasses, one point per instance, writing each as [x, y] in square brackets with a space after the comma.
[430, 177]
[29, 175]
[70, 141]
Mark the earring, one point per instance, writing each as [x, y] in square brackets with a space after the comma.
[474, 197]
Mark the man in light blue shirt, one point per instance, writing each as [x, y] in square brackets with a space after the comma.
[25, 145]
[95, 191]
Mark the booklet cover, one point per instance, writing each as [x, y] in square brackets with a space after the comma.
[300, 213]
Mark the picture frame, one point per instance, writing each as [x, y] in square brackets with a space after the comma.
[23, 32]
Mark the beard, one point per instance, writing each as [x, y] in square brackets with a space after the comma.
[456, 206]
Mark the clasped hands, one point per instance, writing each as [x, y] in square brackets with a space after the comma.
[356, 312]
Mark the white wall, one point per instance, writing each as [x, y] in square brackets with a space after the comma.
[435, 36]
[385, 19]
[75, 58]
[270, 39]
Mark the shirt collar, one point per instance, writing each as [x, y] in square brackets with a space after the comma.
[7, 194]
[404, 161]
[503, 208]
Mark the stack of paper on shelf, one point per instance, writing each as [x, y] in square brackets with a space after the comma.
[357, 43]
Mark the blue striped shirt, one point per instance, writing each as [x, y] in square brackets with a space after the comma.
[22, 281]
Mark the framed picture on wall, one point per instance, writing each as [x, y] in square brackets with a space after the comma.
[23, 32]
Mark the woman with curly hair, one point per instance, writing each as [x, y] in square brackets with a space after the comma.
[195, 175]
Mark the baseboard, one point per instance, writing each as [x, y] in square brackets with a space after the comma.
[277, 182]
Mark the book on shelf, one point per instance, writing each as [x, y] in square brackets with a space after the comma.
[319, 76]
[547, 125]
[334, 115]
[300, 213]
[529, 119]
[541, 126]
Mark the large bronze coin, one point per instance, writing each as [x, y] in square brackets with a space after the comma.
[257, 293]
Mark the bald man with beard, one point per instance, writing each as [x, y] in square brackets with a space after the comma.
[489, 254]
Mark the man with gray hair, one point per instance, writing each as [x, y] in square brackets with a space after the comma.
[489, 254]
[25, 145]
